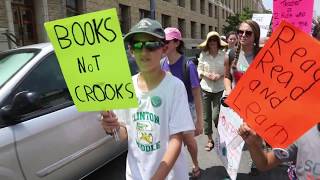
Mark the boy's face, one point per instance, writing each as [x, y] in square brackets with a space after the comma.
[148, 51]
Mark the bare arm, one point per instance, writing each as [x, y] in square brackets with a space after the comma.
[169, 158]
[263, 160]
[196, 92]
[227, 76]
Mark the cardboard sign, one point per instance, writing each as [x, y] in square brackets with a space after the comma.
[229, 154]
[93, 61]
[297, 12]
[279, 94]
[264, 23]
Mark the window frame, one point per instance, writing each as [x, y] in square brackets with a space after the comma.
[40, 112]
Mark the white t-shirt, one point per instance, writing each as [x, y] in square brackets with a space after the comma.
[162, 112]
[306, 152]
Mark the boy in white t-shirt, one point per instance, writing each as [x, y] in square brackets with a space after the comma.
[154, 129]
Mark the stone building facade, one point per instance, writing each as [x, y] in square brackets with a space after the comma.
[24, 19]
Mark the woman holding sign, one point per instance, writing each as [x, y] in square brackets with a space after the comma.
[239, 59]
[154, 129]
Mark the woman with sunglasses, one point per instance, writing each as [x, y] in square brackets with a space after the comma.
[239, 59]
[175, 62]
[154, 129]
[210, 69]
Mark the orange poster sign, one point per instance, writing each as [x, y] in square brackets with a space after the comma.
[279, 95]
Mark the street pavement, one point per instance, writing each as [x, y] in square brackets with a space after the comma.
[210, 164]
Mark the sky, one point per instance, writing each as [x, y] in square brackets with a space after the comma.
[268, 5]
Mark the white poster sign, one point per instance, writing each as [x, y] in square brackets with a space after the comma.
[228, 143]
[264, 22]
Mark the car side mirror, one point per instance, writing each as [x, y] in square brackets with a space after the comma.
[23, 102]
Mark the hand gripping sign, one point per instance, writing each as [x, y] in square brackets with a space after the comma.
[279, 94]
[93, 61]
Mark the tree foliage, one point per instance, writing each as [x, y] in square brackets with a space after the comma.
[233, 21]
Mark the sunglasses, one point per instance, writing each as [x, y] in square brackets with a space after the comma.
[246, 33]
[149, 45]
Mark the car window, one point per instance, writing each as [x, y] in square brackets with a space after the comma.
[47, 81]
[11, 62]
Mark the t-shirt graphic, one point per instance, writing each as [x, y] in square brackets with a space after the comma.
[145, 130]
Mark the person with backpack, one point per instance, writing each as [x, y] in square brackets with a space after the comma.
[210, 69]
[238, 60]
[184, 69]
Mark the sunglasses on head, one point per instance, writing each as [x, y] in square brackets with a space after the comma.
[246, 33]
[149, 45]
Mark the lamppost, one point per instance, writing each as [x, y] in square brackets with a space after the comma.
[153, 9]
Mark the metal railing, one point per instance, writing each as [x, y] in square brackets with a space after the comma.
[11, 38]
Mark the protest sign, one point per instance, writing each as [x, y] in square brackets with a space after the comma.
[298, 13]
[229, 123]
[279, 94]
[264, 23]
[93, 61]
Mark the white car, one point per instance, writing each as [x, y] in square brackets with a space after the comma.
[42, 135]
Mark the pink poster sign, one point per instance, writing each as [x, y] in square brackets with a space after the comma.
[297, 12]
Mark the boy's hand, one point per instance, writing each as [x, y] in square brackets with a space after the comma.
[109, 121]
[249, 136]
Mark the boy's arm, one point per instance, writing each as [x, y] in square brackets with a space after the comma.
[169, 158]
[263, 160]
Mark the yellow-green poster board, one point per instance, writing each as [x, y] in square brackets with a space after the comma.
[93, 60]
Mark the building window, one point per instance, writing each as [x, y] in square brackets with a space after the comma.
[166, 20]
[215, 12]
[210, 10]
[74, 7]
[193, 5]
[210, 28]
[203, 31]
[167, 0]
[202, 7]
[182, 27]
[193, 30]
[216, 29]
[144, 13]
[125, 22]
[182, 3]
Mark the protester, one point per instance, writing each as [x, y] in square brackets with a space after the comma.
[210, 69]
[232, 40]
[316, 31]
[239, 59]
[176, 63]
[154, 129]
[305, 152]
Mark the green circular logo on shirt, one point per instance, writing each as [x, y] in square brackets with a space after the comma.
[155, 101]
